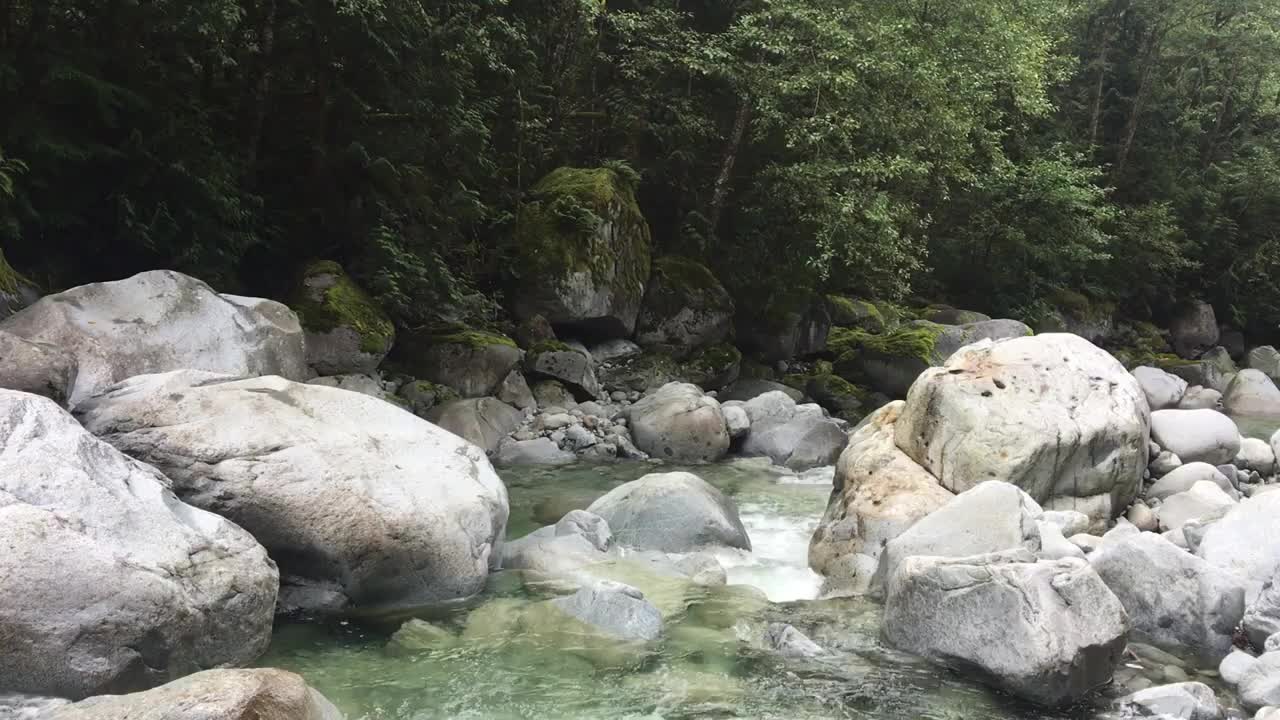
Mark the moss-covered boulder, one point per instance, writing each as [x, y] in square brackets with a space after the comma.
[582, 252]
[1075, 313]
[644, 372]
[839, 396]
[858, 314]
[346, 330]
[16, 292]
[420, 396]
[685, 308]
[947, 315]
[473, 362]
[714, 367]
[791, 323]
[555, 360]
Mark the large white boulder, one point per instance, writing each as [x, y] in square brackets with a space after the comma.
[1256, 454]
[671, 512]
[1196, 435]
[1053, 414]
[1163, 390]
[362, 504]
[259, 694]
[1244, 540]
[878, 494]
[679, 423]
[159, 321]
[1260, 685]
[110, 583]
[1048, 631]
[1251, 392]
[1175, 600]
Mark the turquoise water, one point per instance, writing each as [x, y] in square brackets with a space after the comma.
[1257, 426]
[482, 663]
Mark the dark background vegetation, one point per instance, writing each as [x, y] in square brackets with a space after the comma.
[996, 154]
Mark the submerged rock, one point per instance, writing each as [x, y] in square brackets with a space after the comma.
[671, 512]
[160, 321]
[260, 694]
[1047, 631]
[363, 505]
[111, 584]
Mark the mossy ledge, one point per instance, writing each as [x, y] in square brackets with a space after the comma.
[917, 341]
[474, 339]
[547, 346]
[343, 304]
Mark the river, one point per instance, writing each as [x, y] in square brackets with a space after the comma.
[710, 664]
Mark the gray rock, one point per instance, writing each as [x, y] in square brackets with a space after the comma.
[1052, 414]
[1175, 600]
[1165, 463]
[1251, 392]
[1201, 398]
[1143, 517]
[1054, 545]
[947, 315]
[578, 438]
[802, 443]
[679, 423]
[1196, 435]
[614, 350]
[571, 368]
[514, 391]
[991, 517]
[1257, 455]
[1260, 685]
[587, 524]
[1162, 389]
[1047, 631]
[1243, 541]
[473, 363]
[671, 512]
[618, 611]
[159, 321]
[791, 643]
[1202, 373]
[257, 694]
[1183, 477]
[538, 451]
[1179, 701]
[550, 393]
[685, 308]
[483, 422]
[1265, 359]
[736, 420]
[1203, 503]
[1234, 665]
[110, 582]
[1262, 618]
[348, 494]
[794, 326]
[363, 384]
[1068, 522]
[748, 389]
[1194, 329]
[36, 367]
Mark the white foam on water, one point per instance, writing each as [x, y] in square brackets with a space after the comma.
[779, 561]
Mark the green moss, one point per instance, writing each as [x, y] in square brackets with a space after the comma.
[856, 313]
[831, 385]
[421, 388]
[917, 342]
[344, 304]
[678, 282]
[795, 380]
[557, 231]
[547, 346]
[716, 358]
[11, 281]
[474, 339]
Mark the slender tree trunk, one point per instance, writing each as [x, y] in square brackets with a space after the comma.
[1135, 110]
[261, 80]
[1095, 113]
[724, 179]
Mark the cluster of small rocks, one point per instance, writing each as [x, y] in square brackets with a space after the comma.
[593, 431]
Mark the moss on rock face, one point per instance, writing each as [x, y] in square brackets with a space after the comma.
[547, 346]
[582, 250]
[329, 299]
[917, 342]
[474, 339]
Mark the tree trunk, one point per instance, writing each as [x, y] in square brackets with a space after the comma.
[1095, 114]
[730, 158]
[1135, 110]
[260, 80]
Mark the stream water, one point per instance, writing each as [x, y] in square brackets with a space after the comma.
[710, 664]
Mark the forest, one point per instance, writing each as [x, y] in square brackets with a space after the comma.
[1006, 155]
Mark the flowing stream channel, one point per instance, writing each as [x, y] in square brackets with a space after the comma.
[710, 664]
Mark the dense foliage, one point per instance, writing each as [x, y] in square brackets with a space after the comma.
[986, 152]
